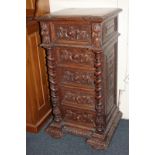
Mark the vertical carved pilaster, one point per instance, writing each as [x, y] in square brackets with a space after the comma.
[45, 32]
[53, 86]
[97, 35]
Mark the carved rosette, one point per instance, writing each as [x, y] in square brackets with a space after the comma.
[53, 86]
[99, 93]
[45, 32]
[97, 35]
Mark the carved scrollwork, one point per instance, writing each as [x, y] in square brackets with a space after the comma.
[72, 33]
[79, 77]
[45, 32]
[77, 56]
[97, 35]
[79, 116]
[77, 98]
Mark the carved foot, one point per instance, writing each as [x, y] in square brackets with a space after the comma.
[96, 141]
[55, 130]
[101, 141]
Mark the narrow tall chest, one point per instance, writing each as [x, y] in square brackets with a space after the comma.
[81, 53]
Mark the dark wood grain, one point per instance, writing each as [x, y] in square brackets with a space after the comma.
[81, 47]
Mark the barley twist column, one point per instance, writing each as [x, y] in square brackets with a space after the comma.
[99, 93]
[97, 45]
[53, 86]
[46, 39]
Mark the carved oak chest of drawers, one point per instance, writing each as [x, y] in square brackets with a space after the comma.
[81, 47]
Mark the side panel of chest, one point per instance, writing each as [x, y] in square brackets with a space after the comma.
[111, 79]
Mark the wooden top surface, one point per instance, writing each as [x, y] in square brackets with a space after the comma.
[81, 13]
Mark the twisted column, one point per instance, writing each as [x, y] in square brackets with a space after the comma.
[53, 86]
[97, 44]
[55, 128]
[99, 93]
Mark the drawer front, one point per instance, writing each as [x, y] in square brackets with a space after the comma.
[75, 57]
[78, 98]
[76, 77]
[76, 116]
[71, 33]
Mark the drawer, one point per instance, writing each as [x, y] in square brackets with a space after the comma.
[71, 33]
[76, 33]
[78, 98]
[74, 56]
[77, 77]
[81, 117]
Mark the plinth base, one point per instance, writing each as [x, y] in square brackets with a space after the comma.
[95, 140]
[101, 141]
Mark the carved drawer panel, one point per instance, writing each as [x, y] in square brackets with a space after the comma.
[75, 56]
[76, 77]
[78, 98]
[78, 116]
[71, 33]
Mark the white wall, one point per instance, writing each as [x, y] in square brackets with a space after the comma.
[123, 40]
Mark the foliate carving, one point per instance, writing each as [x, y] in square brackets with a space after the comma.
[79, 116]
[97, 35]
[78, 56]
[77, 98]
[99, 92]
[53, 86]
[74, 32]
[45, 32]
[85, 78]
